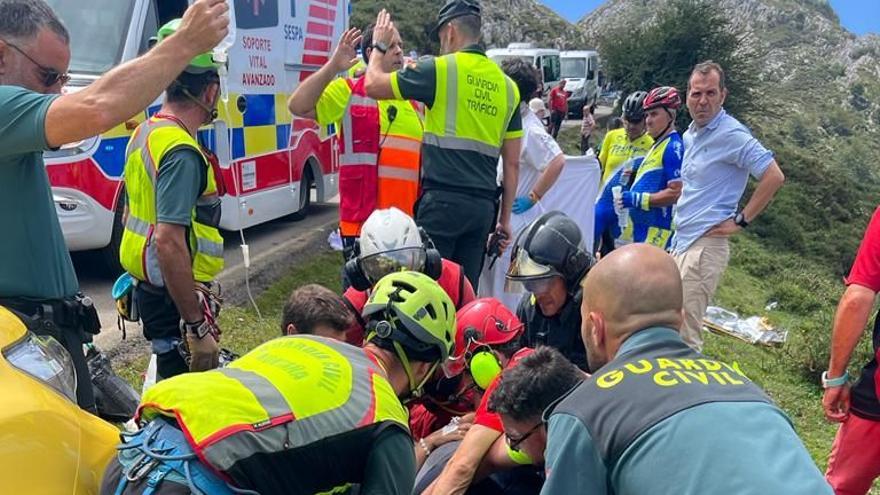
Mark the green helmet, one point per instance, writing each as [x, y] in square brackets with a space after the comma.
[418, 303]
[201, 63]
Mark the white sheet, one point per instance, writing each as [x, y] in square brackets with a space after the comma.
[573, 194]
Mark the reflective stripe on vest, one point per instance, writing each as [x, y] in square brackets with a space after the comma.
[359, 152]
[456, 125]
[287, 393]
[150, 143]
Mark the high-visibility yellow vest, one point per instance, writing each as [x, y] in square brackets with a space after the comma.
[473, 104]
[287, 393]
[137, 253]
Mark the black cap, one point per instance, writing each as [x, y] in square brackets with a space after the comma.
[453, 9]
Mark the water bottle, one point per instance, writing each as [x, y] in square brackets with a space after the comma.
[626, 173]
[221, 52]
[622, 213]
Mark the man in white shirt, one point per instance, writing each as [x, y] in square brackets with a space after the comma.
[541, 163]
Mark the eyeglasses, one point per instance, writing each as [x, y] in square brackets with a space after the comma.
[50, 76]
[514, 443]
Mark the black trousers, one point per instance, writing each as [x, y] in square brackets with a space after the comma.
[459, 224]
[161, 320]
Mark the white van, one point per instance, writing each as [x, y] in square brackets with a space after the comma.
[545, 59]
[580, 69]
[270, 160]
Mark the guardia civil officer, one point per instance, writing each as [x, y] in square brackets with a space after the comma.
[655, 403]
[471, 119]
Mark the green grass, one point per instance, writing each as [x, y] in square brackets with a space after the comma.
[242, 328]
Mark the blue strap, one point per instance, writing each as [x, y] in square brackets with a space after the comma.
[123, 482]
[156, 477]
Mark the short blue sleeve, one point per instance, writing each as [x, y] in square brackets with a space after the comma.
[672, 157]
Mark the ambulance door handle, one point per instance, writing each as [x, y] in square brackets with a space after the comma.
[241, 103]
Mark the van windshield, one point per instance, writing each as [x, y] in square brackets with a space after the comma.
[501, 58]
[97, 32]
[574, 68]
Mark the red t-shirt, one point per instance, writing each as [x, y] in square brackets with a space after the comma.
[866, 272]
[866, 268]
[489, 419]
[558, 99]
[452, 279]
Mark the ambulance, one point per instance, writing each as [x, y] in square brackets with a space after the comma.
[270, 160]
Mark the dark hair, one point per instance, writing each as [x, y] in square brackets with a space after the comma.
[195, 84]
[22, 19]
[313, 305]
[524, 74]
[705, 68]
[615, 123]
[538, 380]
[366, 41]
[469, 25]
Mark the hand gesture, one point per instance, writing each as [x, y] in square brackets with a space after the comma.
[724, 229]
[384, 30]
[204, 25]
[345, 56]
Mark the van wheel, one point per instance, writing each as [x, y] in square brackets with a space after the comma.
[305, 195]
[110, 253]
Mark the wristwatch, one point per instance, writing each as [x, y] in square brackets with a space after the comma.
[834, 382]
[740, 220]
[197, 328]
[382, 47]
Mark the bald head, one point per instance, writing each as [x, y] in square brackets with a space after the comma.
[635, 287]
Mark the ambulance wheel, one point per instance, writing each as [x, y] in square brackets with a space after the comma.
[110, 254]
[305, 200]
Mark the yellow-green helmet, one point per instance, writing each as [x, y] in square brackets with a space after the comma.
[198, 65]
[412, 309]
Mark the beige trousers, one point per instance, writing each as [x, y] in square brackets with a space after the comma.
[701, 267]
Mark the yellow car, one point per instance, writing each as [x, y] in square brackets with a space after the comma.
[48, 445]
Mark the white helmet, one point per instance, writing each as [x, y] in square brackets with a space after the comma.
[390, 241]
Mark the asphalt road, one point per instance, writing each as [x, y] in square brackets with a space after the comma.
[266, 241]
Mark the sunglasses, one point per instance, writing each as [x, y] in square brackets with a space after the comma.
[50, 77]
[514, 443]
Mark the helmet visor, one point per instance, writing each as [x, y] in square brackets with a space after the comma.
[525, 270]
[378, 265]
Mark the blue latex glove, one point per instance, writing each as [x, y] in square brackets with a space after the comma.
[522, 204]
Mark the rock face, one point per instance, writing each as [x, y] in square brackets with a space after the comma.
[506, 21]
[806, 54]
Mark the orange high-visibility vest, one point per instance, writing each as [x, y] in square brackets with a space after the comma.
[392, 139]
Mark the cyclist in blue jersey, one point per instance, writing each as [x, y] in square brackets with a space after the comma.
[657, 183]
[621, 150]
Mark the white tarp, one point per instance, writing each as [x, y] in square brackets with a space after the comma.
[573, 194]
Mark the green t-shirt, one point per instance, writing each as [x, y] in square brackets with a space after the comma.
[449, 168]
[182, 178]
[34, 261]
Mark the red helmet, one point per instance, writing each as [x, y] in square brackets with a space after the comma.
[482, 322]
[664, 96]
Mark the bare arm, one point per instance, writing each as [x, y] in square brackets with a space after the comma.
[852, 315]
[176, 266]
[461, 468]
[667, 196]
[497, 459]
[510, 151]
[770, 182]
[549, 176]
[131, 87]
[378, 83]
[304, 99]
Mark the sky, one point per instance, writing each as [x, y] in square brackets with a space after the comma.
[858, 16]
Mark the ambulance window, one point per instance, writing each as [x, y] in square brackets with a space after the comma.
[105, 20]
[151, 27]
[171, 9]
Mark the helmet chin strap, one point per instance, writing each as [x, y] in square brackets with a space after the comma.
[415, 391]
[212, 112]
